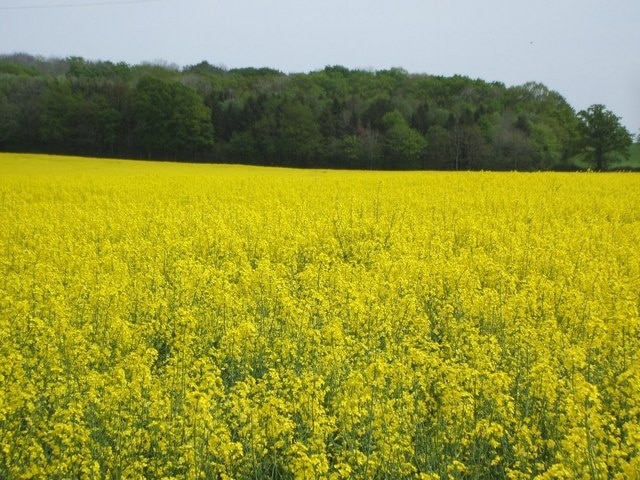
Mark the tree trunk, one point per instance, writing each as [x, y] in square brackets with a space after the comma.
[599, 159]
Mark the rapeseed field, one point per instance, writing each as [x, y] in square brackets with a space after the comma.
[181, 321]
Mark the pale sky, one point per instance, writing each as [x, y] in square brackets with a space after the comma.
[587, 50]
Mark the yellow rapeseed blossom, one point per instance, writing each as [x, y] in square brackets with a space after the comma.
[179, 321]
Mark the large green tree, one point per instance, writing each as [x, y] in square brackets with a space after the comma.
[603, 136]
[172, 121]
[287, 133]
[298, 135]
[404, 147]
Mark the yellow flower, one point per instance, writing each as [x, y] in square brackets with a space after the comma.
[178, 321]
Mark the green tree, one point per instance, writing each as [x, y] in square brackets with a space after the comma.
[172, 121]
[97, 126]
[333, 117]
[287, 133]
[8, 118]
[440, 150]
[603, 136]
[511, 144]
[345, 152]
[299, 137]
[403, 147]
[548, 121]
[372, 148]
[59, 107]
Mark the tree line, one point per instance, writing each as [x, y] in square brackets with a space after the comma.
[334, 118]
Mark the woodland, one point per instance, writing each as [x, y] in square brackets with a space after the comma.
[331, 118]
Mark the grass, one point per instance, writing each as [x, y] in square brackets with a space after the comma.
[620, 163]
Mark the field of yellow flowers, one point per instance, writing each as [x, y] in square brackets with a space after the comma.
[178, 321]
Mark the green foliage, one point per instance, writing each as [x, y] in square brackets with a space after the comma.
[8, 118]
[335, 117]
[632, 162]
[15, 69]
[170, 119]
[80, 68]
[346, 150]
[603, 136]
[59, 115]
[441, 148]
[549, 122]
[285, 133]
[403, 147]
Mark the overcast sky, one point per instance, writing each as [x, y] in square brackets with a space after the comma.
[587, 50]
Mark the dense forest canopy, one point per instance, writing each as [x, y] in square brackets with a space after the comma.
[335, 117]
